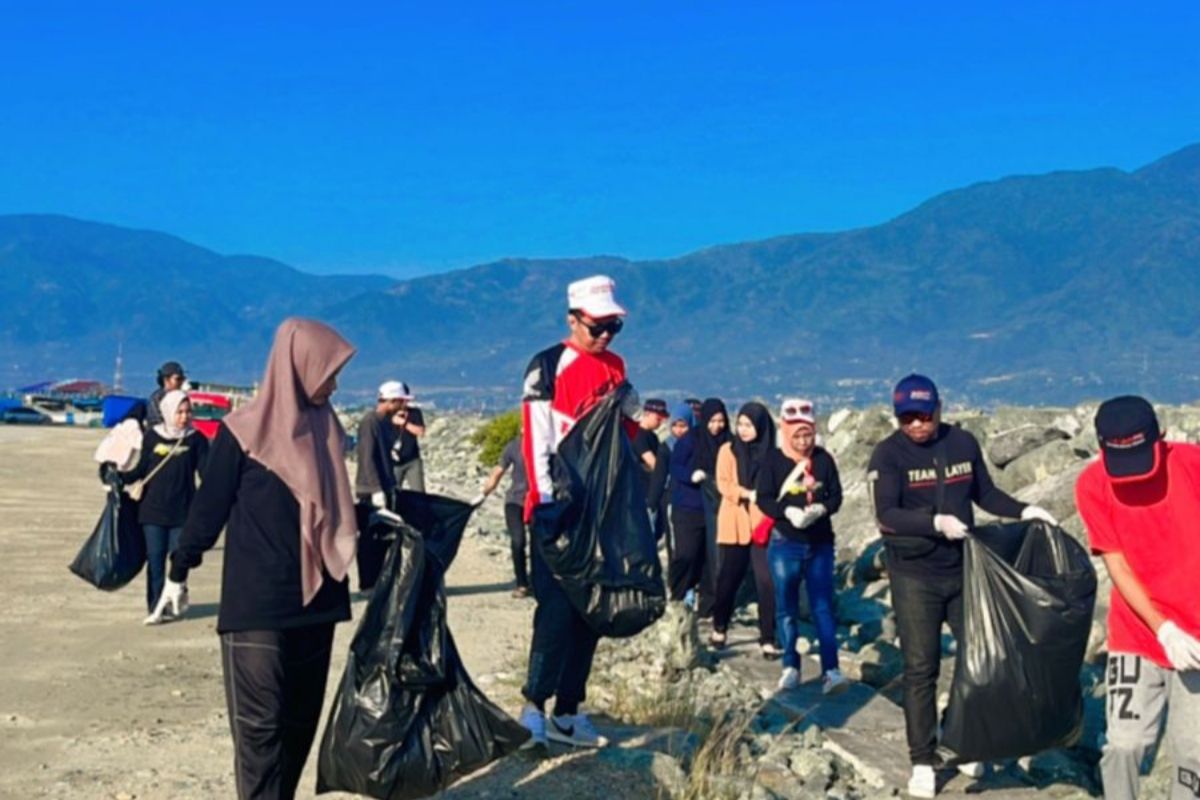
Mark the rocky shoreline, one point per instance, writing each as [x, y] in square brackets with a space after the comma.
[731, 735]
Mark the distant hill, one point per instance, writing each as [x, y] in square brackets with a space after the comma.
[1030, 289]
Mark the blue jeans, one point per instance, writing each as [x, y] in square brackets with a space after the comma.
[792, 562]
[160, 542]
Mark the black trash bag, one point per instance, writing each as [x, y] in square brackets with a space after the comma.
[407, 720]
[596, 537]
[115, 552]
[1028, 594]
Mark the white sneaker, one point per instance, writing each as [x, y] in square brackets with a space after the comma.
[576, 730]
[923, 782]
[534, 721]
[834, 682]
[973, 769]
[790, 678]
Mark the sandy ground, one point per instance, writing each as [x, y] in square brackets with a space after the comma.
[94, 705]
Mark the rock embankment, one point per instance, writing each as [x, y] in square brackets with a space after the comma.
[735, 737]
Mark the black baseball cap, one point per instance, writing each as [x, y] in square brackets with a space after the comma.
[654, 405]
[170, 368]
[1127, 428]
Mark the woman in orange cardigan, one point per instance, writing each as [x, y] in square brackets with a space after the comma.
[737, 469]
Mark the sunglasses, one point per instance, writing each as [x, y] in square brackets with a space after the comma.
[915, 416]
[597, 329]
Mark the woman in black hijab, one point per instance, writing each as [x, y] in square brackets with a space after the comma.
[738, 464]
[710, 435]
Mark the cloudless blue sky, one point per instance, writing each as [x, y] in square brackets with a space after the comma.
[409, 138]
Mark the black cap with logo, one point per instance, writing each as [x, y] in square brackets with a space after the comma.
[1128, 432]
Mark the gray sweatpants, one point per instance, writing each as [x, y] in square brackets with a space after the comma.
[1139, 693]
[412, 473]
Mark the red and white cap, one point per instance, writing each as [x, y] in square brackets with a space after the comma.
[594, 297]
[798, 410]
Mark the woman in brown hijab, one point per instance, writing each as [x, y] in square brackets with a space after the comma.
[276, 481]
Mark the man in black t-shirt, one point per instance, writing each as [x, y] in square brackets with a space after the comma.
[409, 423]
[650, 451]
[925, 479]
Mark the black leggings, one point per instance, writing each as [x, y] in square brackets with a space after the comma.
[274, 688]
[514, 519]
[735, 558]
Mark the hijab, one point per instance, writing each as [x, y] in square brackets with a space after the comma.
[786, 429]
[683, 412]
[169, 404]
[304, 444]
[750, 455]
[704, 457]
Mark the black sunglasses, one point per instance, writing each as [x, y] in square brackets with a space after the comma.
[612, 327]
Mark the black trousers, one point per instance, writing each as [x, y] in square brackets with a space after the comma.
[922, 604]
[563, 644]
[688, 556]
[514, 520]
[371, 551]
[735, 558]
[274, 689]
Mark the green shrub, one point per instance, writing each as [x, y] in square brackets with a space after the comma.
[493, 436]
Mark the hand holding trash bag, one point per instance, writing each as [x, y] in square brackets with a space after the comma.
[1037, 513]
[1183, 651]
[174, 598]
[950, 526]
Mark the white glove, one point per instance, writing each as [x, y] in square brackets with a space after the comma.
[795, 516]
[1038, 513]
[950, 526]
[812, 514]
[752, 498]
[699, 475]
[175, 596]
[379, 500]
[1183, 651]
[478, 499]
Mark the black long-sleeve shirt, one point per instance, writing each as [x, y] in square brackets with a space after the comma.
[827, 491]
[376, 435]
[168, 495]
[905, 477]
[260, 583]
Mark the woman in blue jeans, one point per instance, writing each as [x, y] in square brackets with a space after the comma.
[173, 453]
[798, 487]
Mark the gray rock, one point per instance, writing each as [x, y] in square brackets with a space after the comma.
[1038, 464]
[1007, 446]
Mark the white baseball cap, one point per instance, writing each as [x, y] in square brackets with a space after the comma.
[798, 409]
[395, 390]
[594, 297]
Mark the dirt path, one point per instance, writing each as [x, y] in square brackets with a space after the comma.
[93, 704]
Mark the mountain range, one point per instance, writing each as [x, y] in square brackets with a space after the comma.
[1035, 289]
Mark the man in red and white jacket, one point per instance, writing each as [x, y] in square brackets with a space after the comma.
[562, 384]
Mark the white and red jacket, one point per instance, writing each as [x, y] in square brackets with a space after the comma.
[562, 384]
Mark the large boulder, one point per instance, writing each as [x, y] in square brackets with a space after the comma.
[1007, 446]
[1045, 462]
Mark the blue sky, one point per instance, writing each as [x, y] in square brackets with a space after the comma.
[406, 138]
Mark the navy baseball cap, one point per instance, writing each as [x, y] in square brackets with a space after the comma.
[915, 393]
[655, 406]
[1127, 428]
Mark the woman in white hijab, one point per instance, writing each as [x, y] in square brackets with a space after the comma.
[172, 455]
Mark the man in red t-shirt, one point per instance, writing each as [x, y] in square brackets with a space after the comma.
[1141, 506]
[562, 384]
